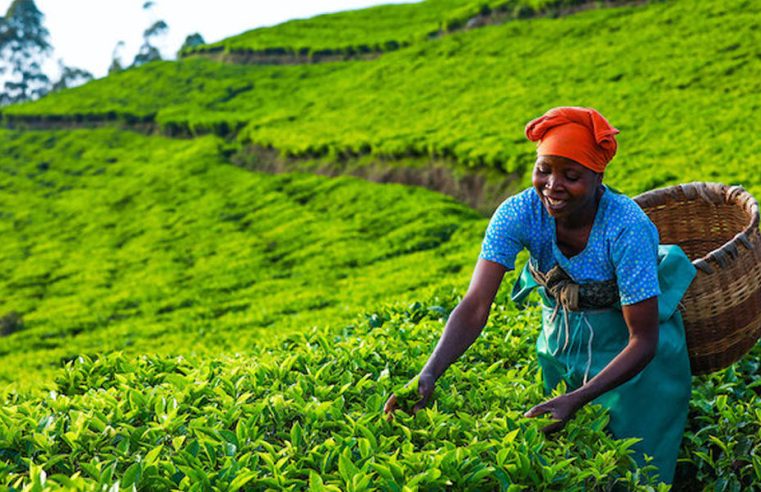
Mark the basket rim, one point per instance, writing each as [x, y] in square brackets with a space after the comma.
[714, 193]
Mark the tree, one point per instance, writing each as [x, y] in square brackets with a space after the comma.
[148, 51]
[70, 77]
[192, 41]
[24, 48]
[117, 65]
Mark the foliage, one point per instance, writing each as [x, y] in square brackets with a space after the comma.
[148, 52]
[684, 106]
[70, 77]
[722, 444]
[407, 394]
[265, 319]
[309, 415]
[191, 41]
[393, 27]
[116, 241]
[24, 46]
[117, 62]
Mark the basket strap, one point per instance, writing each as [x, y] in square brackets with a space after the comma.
[572, 296]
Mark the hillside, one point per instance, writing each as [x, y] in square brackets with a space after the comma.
[466, 97]
[186, 303]
[115, 241]
[345, 34]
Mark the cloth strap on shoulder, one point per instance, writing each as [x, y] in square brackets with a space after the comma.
[572, 296]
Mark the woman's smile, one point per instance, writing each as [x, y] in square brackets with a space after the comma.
[568, 190]
[555, 204]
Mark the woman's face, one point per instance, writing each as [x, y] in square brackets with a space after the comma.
[567, 188]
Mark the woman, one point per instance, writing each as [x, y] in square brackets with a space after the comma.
[609, 294]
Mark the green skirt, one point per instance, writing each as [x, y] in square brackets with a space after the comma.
[576, 345]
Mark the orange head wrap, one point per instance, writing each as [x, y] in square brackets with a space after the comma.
[581, 134]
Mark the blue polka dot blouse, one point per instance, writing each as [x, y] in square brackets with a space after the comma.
[623, 243]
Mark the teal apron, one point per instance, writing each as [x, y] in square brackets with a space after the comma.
[576, 345]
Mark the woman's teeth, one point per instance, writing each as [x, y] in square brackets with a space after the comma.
[554, 203]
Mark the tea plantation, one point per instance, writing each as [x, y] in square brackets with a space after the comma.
[393, 27]
[173, 320]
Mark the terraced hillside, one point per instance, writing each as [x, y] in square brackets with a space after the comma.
[227, 328]
[115, 241]
[345, 34]
[684, 105]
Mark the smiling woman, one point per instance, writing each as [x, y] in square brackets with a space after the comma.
[595, 258]
[571, 194]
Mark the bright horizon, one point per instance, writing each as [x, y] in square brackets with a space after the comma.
[90, 45]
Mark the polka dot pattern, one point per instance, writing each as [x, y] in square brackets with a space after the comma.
[622, 245]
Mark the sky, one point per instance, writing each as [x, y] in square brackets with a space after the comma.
[84, 33]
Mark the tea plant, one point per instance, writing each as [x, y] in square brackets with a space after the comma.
[112, 240]
[223, 329]
[393, 26]
[678, 78]
[308, 414]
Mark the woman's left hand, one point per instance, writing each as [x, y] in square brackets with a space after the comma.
[562, 408]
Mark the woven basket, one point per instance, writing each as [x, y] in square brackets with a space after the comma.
[717, 226]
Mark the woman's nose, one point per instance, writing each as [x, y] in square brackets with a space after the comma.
[553, 183]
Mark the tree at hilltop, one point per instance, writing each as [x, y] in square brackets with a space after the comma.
[24, 49]
[148, 51]
[117, 63]
[191, 41]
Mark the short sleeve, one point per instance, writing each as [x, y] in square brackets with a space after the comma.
[635, 257]
[504, 235]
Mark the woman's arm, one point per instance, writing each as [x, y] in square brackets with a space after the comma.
[468, 319]
[642, 320]
[464, 325]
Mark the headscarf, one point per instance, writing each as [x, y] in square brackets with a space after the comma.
[581, 134]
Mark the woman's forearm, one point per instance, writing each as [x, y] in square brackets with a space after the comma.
[463, 327]
[628, 363]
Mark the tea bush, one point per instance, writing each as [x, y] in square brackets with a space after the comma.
[222, 329]
[680, 79]
[308, 414]
[117, 241]
[393, 26]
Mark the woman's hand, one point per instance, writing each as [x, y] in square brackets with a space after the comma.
[425, 385]
[562, 408]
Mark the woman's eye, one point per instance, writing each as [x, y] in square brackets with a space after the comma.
[572, 178]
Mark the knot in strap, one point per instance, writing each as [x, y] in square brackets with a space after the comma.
[559, 285]
[572, 296]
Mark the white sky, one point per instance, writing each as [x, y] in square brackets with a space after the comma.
[84, 33]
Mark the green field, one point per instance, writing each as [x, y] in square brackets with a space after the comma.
[172, 320]
[116, 241]
[393, 27]
[683, 105]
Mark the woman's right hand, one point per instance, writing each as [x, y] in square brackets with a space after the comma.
[425, 385]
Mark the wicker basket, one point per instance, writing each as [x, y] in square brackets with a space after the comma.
[717, 226]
